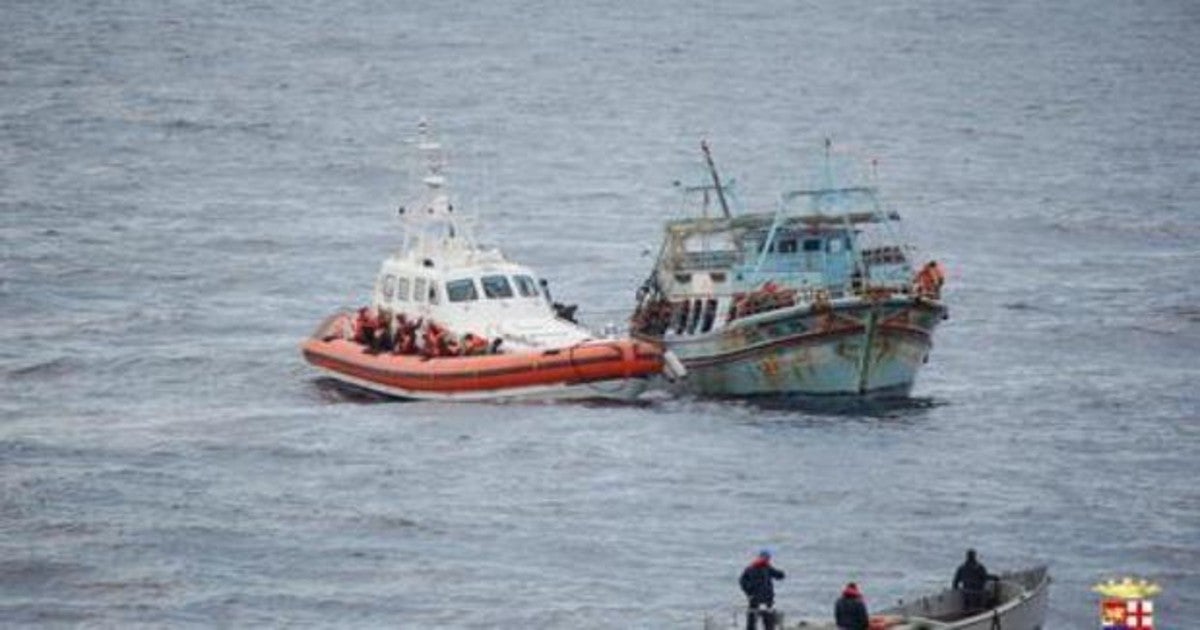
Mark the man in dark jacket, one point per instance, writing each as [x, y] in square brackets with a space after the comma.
[971, 578]
[756, 582]
[850, 611]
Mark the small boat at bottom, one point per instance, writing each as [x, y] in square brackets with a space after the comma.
[1019, 603]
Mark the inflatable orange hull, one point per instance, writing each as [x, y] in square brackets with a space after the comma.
[594, 369]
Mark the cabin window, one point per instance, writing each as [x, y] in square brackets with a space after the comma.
[787, 246]
[695, 318]
[679, 317]
[710, 314]
[389, 284]
[835, 245]
[433, 293]
[526, 286]
[402, 289]
[419, 290]
[461, 290]
[812, 245]
[717, 276]
[496, 287]
[683, 278]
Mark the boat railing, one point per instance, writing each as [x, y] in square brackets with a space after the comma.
[735, 617]
[605, 323]
[708, 260]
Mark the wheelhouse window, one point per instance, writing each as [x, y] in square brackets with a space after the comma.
[526, 286]
[461, 290]
[812, 245]
[710, 315]
[389, 284]
[401, 289]
[496, 287]
[433, 292]
[679, 316]
[694, 319]
[419, 290]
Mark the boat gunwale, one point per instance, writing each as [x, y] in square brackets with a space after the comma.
[345, 357]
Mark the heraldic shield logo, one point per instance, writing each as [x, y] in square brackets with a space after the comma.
[1127, 605]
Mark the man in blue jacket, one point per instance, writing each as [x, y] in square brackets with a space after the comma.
[756, 583]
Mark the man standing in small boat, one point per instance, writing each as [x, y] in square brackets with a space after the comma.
[971, 578]
[756, 583]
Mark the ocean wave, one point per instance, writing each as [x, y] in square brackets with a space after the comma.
[1169, 226]
[1021, 305]
[54, 368]
[1185, 313]
[37, 573]
[40, 613]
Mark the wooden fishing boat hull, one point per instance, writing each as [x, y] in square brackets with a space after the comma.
[850, 348]
[606, 369]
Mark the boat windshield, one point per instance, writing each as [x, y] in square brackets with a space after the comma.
[496, 287]
[461, 290]
[526, 286]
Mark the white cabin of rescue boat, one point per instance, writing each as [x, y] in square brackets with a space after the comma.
[441, 274]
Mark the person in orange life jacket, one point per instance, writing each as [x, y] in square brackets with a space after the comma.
[450, 346]
[431, 340]
[930, 279]
[398, 336]
[406, 335]
[365, 326]
[360, 320]
[850, 611]
[474, 344]
[756, 583]
[383, 334]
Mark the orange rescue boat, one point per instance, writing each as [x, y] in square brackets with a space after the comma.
[597, 368]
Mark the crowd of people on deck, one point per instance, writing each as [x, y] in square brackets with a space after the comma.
[768, 298]
[850, 610]
[380, 331]
[654, 317]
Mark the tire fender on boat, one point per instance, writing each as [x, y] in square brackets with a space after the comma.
[673, 367]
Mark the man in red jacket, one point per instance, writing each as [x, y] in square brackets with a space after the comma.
[756, 583]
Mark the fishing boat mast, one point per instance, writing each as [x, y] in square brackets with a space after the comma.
[712, 169]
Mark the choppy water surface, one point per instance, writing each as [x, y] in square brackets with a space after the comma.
[187, 188]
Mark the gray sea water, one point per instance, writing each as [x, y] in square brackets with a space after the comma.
[187, 188]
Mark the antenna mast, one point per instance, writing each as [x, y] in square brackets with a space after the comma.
[712, 169]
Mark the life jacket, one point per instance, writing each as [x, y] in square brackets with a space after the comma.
[449, 345]
[474, 344]
[939, 274]
[432, 339]
[927, 281]
[364, 326]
